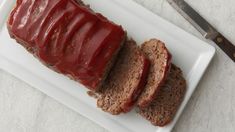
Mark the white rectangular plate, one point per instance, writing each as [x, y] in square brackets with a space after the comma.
[190, 53]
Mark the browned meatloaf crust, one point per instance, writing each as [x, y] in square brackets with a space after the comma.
[125, 82]
[160, 60]
[163, 109]
[67, 37]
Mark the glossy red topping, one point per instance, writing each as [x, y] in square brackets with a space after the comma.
[70, 38]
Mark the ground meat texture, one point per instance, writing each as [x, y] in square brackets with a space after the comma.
[68, 37]
[163, 109]
[125, 82]
[160, 60]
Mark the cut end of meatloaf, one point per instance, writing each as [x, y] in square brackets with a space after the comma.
[163, 109]
[160, 60]
[125, 81]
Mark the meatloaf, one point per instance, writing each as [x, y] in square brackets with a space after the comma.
[164, 107]
[160, 60]
[67, 37]
[125, 81]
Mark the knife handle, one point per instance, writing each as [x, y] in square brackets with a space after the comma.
[225, 45]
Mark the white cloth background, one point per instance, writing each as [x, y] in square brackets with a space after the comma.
[211, 108]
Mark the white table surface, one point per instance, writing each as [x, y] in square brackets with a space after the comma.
[211, 108]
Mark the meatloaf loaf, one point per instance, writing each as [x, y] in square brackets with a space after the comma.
[125, 81]
[160, 60]
[67, 37]
[164, 107]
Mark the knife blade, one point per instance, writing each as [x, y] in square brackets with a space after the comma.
[204, 27]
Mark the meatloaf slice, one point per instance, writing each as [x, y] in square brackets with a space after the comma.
[160, 60]
[163, 109]
[125, 81]
[68, 37]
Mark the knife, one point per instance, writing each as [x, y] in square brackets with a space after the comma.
[206, 29]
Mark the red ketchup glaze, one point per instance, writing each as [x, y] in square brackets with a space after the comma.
[68, 37]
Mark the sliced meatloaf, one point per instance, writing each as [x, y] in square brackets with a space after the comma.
[67, 37]
[125, 81]
[164, 107]
[160, 60]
